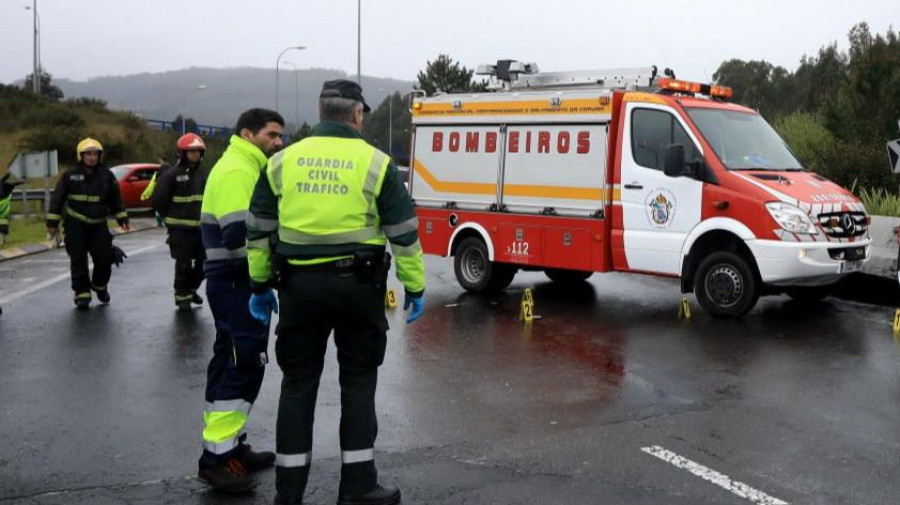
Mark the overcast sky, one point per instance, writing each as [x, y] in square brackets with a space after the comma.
[89, 38]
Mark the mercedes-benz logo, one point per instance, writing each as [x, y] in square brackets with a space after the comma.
[848, 224]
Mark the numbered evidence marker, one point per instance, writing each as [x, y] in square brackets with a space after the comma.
[526, 313]
[684, 309]
[897, 324]
[390, 299]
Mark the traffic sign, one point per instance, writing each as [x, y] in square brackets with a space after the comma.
[34, 165]
[893, 149]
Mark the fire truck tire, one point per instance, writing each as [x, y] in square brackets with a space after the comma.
[725, 285]
[564, 276]
[475, 272]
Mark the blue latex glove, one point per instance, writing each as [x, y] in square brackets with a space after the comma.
[262, 306]
[418, 307]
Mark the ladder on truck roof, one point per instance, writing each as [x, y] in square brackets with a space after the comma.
[508, 75]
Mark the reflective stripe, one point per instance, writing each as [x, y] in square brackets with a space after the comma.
[123, 215]
[98, 288]
[187, 199]
[83, 295]
[221, 447]
[182, 298]
[350, 237]
[83, 198]
[406, 250]
[260, 243]
[208, 218]
[56, 217]
[396, 230]
[232, 217]
[221, 253]
[229, 406]
[82, 217]
[378, 159]
[293, 460]
[275, 163]
[261, 223]
[350, 457]
[181, 222]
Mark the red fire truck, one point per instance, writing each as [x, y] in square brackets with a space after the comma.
[625, 170]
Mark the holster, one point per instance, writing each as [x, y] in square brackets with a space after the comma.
[372, 267]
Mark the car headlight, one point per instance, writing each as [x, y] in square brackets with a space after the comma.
[791, 218]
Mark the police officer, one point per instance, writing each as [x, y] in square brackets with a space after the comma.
[236, 369]
[6, 189]
[330, 203]
[88, 194]
[177, 198]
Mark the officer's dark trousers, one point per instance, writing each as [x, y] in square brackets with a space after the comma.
[186, 248]
[83, 239]
[312, 305]
[236, 369]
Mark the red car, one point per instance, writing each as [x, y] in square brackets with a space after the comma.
[133, 180]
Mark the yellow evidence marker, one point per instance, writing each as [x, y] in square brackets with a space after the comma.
[684, 309]
[897, 324]
[526, 312]
[390, 299]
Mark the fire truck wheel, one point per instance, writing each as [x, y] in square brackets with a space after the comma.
[725, 285]
[475, 272]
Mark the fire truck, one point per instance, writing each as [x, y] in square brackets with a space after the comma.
[625, 170]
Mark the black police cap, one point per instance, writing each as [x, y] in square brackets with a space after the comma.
[344, 89]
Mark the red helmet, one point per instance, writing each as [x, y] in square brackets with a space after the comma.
[190, 142]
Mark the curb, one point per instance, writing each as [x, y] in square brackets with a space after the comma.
[47, 245]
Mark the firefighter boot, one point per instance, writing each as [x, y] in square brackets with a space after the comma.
[253, 460]
[183, 302]
[381, 495]
[102, 295]
[83, 300]
[196, 299]
[228, 477]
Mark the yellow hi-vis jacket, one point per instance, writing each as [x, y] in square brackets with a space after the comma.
[327, 197]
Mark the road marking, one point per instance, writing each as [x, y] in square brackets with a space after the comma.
[708, 474]
[61, 277]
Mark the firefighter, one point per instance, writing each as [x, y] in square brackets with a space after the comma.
[330, 203]
[177, 198]
[6, 189]
[236, 369]
[84, 198]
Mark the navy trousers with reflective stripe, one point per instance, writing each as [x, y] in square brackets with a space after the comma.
[313, 304]
[239, 353]
[83, 239]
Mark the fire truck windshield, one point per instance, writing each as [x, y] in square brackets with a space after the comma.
[743, 140]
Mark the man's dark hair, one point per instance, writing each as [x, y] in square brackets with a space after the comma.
[257, 119]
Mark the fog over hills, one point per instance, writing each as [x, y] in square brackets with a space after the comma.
[229, 92]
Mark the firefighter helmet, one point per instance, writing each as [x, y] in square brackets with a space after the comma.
[88, 145]
[190, 142]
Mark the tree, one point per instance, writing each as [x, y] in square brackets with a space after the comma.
[47, 88]
[391, 114]
[757, 84]
[301, 133]
[443, 74]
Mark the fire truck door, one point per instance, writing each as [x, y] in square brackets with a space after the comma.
[658, 211]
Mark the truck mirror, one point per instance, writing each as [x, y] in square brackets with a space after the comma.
[674, 162]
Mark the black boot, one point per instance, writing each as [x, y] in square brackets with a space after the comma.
[253, 460]
[228, 477]
[196, 299]
[83, 300]
[102, 295]
[381, 495]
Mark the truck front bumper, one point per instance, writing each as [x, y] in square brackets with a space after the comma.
[808, 263]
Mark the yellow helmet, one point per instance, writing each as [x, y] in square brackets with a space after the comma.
[88, 145]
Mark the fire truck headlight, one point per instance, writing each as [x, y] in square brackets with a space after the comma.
[791, 218]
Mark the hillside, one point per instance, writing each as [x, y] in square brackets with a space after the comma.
[229, 92]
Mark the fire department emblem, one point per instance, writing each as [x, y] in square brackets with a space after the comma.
[661, 208]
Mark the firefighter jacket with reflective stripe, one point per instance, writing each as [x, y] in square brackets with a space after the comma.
[90, 195]
[179, 194]
[327, 197]
[224, 209]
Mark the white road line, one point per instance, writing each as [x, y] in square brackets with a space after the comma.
[708, 474]
[61, 277]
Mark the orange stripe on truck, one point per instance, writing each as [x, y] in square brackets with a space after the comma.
[530, 190]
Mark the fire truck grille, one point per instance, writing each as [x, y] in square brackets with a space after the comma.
[844, 224]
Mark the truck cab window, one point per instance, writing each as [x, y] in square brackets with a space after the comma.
[651, 132]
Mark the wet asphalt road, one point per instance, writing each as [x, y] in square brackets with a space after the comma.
[801, 405]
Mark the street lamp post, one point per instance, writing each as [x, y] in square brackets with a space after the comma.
[359, 42]
[35, 73]
[199, 87]
[296, 96]
[277, 64]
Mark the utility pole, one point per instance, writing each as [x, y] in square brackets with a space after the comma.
[36, 72]
[359, 42]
